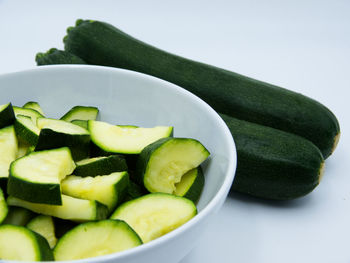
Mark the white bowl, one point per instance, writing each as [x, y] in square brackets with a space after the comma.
[127, 97]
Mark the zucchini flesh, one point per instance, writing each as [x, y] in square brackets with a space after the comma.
[191, 184]
[112, 138]
[227, 92]
[162, 163]
[22, 244]
[7, 115]
[81, 123]
[36, 177]
[74, 209]
[33, 114]
[81, 113]
[100, 166]
[54, 56]
[18, 216]
[3, 207]
[94, 239]
[106, 189]
[34, 106]
[26, 130]
[273, 164]
[154, 215]
[44, 226]
[8, 150]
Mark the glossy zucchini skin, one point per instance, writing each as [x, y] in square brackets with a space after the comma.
[227, 92]
[273, 164]
[54, 56]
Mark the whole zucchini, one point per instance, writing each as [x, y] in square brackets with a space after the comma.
[272, 163]
[227, 92]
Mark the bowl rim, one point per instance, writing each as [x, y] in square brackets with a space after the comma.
[219, 197]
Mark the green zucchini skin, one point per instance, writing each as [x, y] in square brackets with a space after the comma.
[78, 144]
[273, 164]
[7, 116]
[54, 56]
[227, 92]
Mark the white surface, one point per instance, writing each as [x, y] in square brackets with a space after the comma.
[301, 45]
[110, 90]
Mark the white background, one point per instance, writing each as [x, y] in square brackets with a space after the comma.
[300, 45]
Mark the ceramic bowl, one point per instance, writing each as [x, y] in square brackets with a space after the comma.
[127, 97]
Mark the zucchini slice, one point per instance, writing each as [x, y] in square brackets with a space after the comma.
[106, 189]
[191, 184]
[22, 244]
[3, 207]
[94, 239]
[26, 130]
[8, 150]
[100, 166]
[81, 123]
[43, 225]
[154, 215]
[18, 216]
[28, 112]
[34, 106]
[162, 163]
[7, 115]
[58, 133]
[74, 209]
[125, 139]
[36, 177]
[81, 113]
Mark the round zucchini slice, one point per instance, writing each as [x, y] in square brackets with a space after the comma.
[44, 226]
[162, 164]
[8, 151]
[20, 243]
[191, 184]
[154, 215]
[94, 239]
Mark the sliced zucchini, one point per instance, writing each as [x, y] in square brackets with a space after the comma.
[8, 150]
[18, 216]
[26, 130]
[36, 177]
[81, 123]
[34, 106]
[43, 225]
[3, 207]
[191, 184]
[94, 239]
[134, 191]
[156, 214]
[100, 166]
[62, 226]
[74, 209]
[23, 149]
[106, 189]
[58, 133]
[7, 115]
[81, 113]
[124, 139]
[20, 243]
[162, 163]
[27, 112]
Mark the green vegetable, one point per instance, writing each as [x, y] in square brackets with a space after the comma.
[100, 166]
[26, 130]
[227, 92]
[59, 133]
[29, 112]
[18, 216]
[54, 56]
[3, 207]
[81, 113]
[162, 164]
[36, 177]
[81, 123]
[154, 215]
[34, 106]
[20, 243]
[44, 226]
[106, 189]
[94, 239]
[125, 139]
[7, 115]
[74, 209]
[273, 164]
[8, 152]
[191, 184]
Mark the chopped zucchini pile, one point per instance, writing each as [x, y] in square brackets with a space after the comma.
[75, 188]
